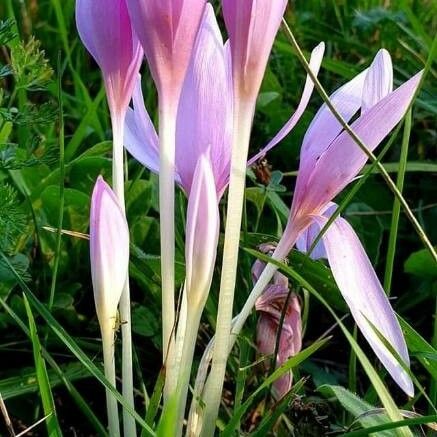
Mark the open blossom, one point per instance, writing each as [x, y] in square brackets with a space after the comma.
[205, 115]
[105, 29]
[329, 161]
[271, 305]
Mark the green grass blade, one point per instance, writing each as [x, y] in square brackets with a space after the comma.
[72, 345]
[53, 428]
[61, 187]
[61, 374]
[391, 251]
[280, 371]
[394, 425]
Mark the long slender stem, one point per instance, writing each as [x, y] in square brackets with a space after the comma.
[61, 187]
[124, 305]
[360, 144]
[397, 206]
[192, 326]
[109, 365]
[242, 126]
[167, 135]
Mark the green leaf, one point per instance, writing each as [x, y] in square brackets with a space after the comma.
[367, 415]
[420, 348]
[42, 377]
[421, 264]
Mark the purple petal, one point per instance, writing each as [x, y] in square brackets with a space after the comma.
[344, 159]
[325, 128]
[202, 231]
[306, 239]
[315, 63]
[379, 80]
[252, 26]
[365, 297]
[109, 250]
[167, 31]
[204, 118]
[105, 29]
[140, 138]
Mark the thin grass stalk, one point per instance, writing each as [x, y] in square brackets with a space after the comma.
[61, 187]
[242, 127]
[391, 251]
[124, 305]
[362, 146]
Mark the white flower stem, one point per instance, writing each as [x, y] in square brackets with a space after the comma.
[125, 303]
[167, 136]
[192, 326]
[242, 127]
[197, 419]
[107, 330]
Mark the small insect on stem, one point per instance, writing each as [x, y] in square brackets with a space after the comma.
[263, 171]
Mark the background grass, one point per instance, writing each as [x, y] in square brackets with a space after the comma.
[30, 204]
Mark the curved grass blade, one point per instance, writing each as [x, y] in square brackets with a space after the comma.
[63, 376]
[73, 347]
[393, 425]
[282, 370]
[397, 206]
[45, 390]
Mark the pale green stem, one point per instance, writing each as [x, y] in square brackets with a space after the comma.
[242, 126]
[391, 251]
[107, 330]
[167, 136]
[125, 303]
[191, 329]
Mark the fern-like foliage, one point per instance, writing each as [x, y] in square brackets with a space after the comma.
[30, 67]
[7, 31]
[12, 218]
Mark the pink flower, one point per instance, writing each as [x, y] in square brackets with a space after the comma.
[167, 30]
[329, 161]
[271, 305]
[105, 29]
[252, 26]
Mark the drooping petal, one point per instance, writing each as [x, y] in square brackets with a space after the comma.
[344, 159]
[271, 304]
[307, 238]
[365, 297]
[202, 231]
[252, 26]
[167, 30]
[204, 119]
[324, 128]
[379, 80]
[109, 251]
[315, 63]
[105, 29]
[140, 138]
